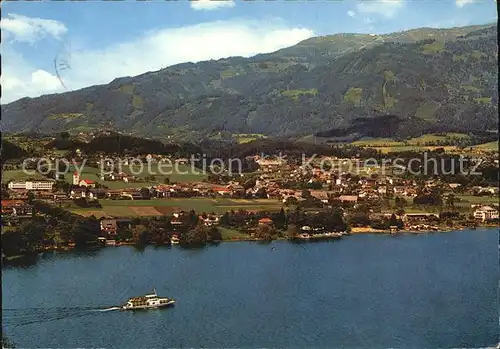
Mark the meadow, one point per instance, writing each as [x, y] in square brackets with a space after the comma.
[491, 146]
[427, 142]
[247, 137]
[19, 175]
[159, 207]
[462, 204]
[424, 140]
[175, 174]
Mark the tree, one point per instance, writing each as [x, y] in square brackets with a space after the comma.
[191, 219]
[158, 235]
[4, 192]
[359, 218]
[214, 234]
[400, 212]
[292, 232]
[224, 220]
[195, 237]
[146, 194]
[261, 193]
[335, 220]
[31, 197]
[394, 221]
[249, 184]
[33, 233]
[291, 200]
[13, 243]
[6, 343]
[450, 202]
[124, 234]
[62, 185]
[280, 220]
[264, 232]
[400, 202]
[139, 235]
[85, 231]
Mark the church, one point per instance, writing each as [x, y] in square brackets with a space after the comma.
[82, 182]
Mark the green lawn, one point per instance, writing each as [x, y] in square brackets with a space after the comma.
[493, 146]
[378, 142]
[387, 145]
[176, 173]
[230, 234]
[295, 94]
[132, 208]
[19, 175]
[247, 137]
[471, 199]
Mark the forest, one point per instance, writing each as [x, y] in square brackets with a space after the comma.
[424, 80]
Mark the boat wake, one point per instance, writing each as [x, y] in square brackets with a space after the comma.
[108, 309]
[23, 317]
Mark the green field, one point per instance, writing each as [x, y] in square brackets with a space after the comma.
[462, 204]
[176, 174]
[230, 234]
[413, 142]
[378, 142]
[295, 94]
[19, 175]
[471, 199]
[156, 207]
[493, 146]
[28, 143]
[247, 137]
[422, 143]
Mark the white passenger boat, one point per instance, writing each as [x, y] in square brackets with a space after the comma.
[148, 301]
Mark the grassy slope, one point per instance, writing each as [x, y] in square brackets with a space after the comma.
[19, 175]
[417, 141]
[179, 174]
[487, 146]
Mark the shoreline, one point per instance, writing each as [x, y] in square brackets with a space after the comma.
[354, 231]
[432, 229]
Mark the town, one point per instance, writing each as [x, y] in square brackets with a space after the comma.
[278, 198]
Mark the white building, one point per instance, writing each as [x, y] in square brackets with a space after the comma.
[82, 182]
[486, 213]
[31, 185]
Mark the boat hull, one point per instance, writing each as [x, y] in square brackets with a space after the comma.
[146, 307]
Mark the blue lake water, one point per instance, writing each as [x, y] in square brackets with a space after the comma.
[412, 291]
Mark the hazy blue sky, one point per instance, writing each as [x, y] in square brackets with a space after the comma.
[100, 41]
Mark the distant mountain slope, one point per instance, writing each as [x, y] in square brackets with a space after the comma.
[12, 151]
[430, 79]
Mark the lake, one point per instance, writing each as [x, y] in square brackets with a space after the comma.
[437, 290]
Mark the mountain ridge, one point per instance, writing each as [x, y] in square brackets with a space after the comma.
[290, 91]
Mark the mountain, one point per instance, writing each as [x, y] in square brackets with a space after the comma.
[428, 79]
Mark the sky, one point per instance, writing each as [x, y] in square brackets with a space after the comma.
[56, 46]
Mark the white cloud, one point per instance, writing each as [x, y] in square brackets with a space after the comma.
[19, 79]
[211, 4]
[153, 51]
[462, 3]
[26, 29]
[386, 8]
[351, 13]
